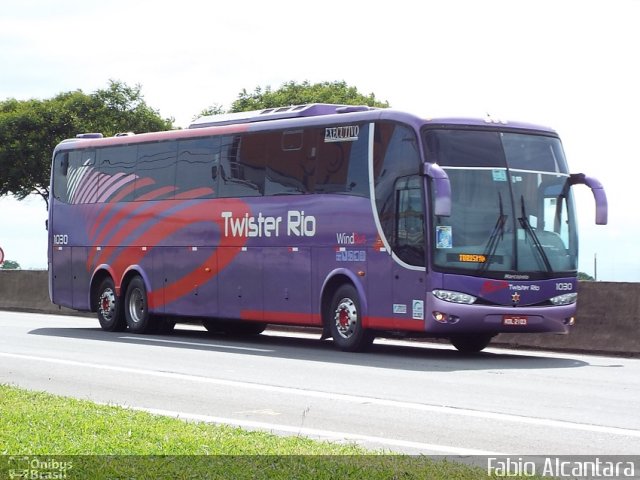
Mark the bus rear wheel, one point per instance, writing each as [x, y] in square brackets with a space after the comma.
[344, 317]
[136, 308]
[108, 307]
[471, 343]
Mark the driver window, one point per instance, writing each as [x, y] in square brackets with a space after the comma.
[409, 231]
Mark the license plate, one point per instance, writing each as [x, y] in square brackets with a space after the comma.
[514, 320]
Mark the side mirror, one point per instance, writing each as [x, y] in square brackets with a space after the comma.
[599, 195]
[442, 186]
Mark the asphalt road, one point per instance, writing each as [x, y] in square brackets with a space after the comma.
[408, 397]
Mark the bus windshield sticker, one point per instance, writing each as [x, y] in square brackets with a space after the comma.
[347, 133]
[399, 308]
[418, 310]
[499, 175]
[444, 237]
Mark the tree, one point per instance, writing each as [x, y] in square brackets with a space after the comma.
[215, 109]
[30, 129]
[9, 265]
[292, 93]
[585, 277]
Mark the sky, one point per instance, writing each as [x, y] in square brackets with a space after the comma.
[568, 64]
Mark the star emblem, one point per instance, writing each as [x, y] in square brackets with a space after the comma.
[515, 298]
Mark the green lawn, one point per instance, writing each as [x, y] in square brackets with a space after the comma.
[61, 437]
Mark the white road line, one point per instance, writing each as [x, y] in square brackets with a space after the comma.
[463, 412]
[194, 344]
[317, 433]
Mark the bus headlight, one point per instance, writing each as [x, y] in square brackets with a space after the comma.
[564, 299]
[454, 297]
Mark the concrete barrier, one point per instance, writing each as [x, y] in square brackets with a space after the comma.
[28, 291]
[608, 319]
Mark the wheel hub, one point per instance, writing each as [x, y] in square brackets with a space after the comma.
[107, 304]
[136, 305]
[346, 317]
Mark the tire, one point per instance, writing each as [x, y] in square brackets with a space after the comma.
[109, 308]
[471, 343]
[136, 309]
[344, 317]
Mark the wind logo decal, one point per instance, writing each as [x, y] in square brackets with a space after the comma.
[352, 238]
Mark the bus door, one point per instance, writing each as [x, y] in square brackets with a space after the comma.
[61, 227]
[408, 244]
[397, 278]
[61, 285]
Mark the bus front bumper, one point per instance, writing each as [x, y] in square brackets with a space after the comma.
[447, 318]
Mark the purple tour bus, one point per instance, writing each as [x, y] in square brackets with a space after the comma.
[364, 222]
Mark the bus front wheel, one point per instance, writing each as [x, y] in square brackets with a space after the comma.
[344, 317]
[136, 309]
[471, 343]
[110, 314]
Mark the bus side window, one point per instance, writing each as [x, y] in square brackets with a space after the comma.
[117, 169]
[396, 167]
[81, 179]
[341, 166]
[155, 170]
[286, 163]
[409, 232]
[60, 171]
[196, 176]
[242, 165]
[358, 174]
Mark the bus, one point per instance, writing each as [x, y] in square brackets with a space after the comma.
[363, 222]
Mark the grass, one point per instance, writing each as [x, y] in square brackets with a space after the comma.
[68, 438]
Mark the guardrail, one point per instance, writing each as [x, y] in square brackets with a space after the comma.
[608, 319]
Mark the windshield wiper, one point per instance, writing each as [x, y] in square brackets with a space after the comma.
[524, 223]
[496, 235]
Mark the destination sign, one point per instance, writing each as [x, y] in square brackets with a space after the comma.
[473, 258]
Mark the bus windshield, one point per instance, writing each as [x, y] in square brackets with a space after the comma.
[512, 213]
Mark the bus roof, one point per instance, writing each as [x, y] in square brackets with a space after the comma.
[289, 117]
[487, 122]
[277, 113]
[324, 109]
